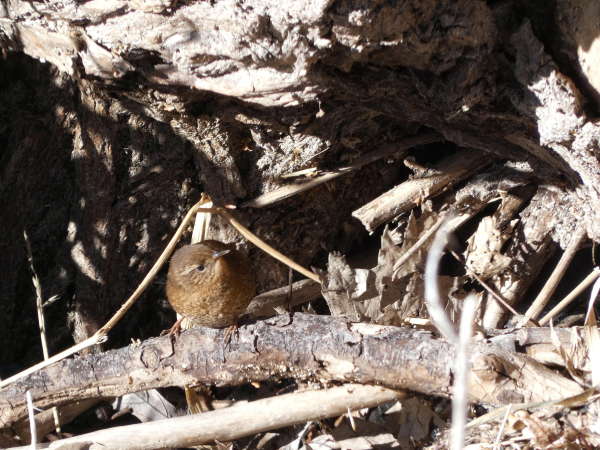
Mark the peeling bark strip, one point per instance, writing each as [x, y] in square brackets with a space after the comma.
[307, 347]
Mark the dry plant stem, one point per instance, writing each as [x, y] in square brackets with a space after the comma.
[238, 421]
[260, 244]
[41, 321]
[44, 420]
[572, 296]
[460, 397]
[100, 335]
[202, 222]
[32, 429]
[452, 225]
[38, 295]
[593, 336]
[569, 402]
[385, 150]
[405, 196]
[501, 430]
[544, 296]
[303, 346]
[484, 284]
[432, 293]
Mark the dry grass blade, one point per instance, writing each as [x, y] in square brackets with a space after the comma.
[31, 420]
[460, 341]
[459, 389]
[501, 430]
[202, 222]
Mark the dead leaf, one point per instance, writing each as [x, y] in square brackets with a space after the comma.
[147, 406]
[483, 252]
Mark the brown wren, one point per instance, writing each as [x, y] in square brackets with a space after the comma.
[210, 284]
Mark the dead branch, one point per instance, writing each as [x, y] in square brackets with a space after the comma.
[307, 347]
[238, 421]
[532, 245]
[410, 193]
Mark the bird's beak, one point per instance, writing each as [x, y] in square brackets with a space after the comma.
[219, 254]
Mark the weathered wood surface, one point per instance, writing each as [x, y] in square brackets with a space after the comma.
[307, 347]
[233, 423]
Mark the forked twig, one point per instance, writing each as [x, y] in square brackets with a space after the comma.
[100, 335]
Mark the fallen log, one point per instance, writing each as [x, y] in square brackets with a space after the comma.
[307, 347]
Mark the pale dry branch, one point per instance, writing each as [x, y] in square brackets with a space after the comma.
[237, 421]
[403, 197]
[303, 291]
[543, 297]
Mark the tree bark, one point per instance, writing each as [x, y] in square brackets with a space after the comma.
[306, 347]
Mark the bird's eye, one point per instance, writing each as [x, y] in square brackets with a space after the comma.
[200, 268]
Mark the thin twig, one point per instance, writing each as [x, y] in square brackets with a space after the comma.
[543, 297]
[260, 244]
[502, 427]
[385, 150]
[572, 296]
